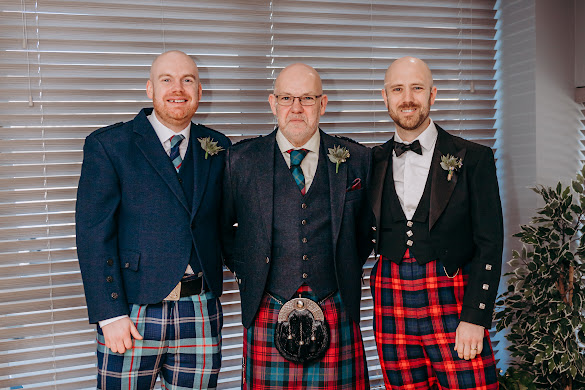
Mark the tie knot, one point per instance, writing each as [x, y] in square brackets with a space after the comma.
[400, 148]
[176, 139]
[297, 156]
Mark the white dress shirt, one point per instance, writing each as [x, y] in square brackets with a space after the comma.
[309, 163]
[411, 170]
[164, 135]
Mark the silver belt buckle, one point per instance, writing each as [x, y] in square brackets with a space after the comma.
[174, 295]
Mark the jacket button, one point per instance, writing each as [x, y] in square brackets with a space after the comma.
[305, 257]
[305, 276]
[114, 295]
[409, 223]
[304, 222]
[409, 233]
[482, 306]
[486, 286]
[373, 228]
[110, 262]
[374, 240]
[267, 260]
[304, 205]
[488, 267]
[109, 279]
[127, 265]
[180, 180]
[409, 242]
[304, 240]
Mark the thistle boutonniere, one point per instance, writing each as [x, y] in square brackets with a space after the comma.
[451, 164]
[338, 155]
[210, 146]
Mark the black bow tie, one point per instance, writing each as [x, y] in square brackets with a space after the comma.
[400, 148]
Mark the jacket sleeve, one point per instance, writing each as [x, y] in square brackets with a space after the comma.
[366, 219]
[488, 238]
[98, 198]
[228, 215]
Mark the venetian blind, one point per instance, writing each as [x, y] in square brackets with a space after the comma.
[68, 67]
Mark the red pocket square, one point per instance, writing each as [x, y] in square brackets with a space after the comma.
[356, 185]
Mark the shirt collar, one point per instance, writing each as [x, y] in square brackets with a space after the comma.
[163, 132]
[427, 138]
[311, 145]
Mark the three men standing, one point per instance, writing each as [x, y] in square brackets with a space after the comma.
[440, 239]
[148, 238]
[298, 197]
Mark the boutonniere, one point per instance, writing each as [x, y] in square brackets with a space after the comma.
[338, 155]
[210, 146]
[451, 164]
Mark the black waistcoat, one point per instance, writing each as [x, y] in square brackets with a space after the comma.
[397, 234]
[186, 177]
[301, 234]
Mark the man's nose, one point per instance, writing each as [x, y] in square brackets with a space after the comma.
[296, 105]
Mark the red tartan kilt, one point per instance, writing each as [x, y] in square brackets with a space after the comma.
[416, 314]
[342, 367]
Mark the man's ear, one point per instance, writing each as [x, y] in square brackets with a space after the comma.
[272, 101]
[149, 89]
[324, 100]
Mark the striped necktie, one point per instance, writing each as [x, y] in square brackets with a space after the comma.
[296, 157]
[175, 154]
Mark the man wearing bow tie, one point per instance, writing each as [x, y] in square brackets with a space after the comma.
[147, 221]
[440, 238]
[298, 197]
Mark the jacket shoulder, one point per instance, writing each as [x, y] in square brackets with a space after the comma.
[111, 129]
[216, 135]
[354, 146]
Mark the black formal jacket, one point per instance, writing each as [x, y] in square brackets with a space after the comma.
[248, 200]
[465, 219]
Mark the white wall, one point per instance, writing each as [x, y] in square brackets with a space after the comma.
[540, 139]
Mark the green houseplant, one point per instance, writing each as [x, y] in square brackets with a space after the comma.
[543, 307]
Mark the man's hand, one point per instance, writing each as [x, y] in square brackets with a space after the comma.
[119, 334]
[469, 340]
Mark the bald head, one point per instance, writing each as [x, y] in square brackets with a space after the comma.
[172, 57]
[290, 75]
[409, 65]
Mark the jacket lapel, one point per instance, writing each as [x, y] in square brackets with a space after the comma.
[337, 186]
[382, 162]
[262, 169]
[201, 168]
[149, 144]
[441, 188]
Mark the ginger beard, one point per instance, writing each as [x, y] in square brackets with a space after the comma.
[410, 121]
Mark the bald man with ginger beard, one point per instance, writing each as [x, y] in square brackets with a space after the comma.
[303, 233]
[148, 238]
[439, 238]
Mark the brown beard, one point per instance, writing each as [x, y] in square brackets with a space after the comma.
[423, 114]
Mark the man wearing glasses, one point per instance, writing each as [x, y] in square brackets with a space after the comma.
[297, 231]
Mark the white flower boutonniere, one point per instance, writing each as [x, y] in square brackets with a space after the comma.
[451, 164]
[338, 155]
[210, 146]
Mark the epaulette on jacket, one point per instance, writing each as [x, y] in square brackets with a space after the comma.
[101, 130]
[246, 140]
[347, 139]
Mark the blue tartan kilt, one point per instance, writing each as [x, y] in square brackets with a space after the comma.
[343, 366]
[182, 344]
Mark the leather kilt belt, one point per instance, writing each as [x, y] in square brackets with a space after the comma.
[302, 334]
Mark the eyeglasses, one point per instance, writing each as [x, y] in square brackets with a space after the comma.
[288, 100]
